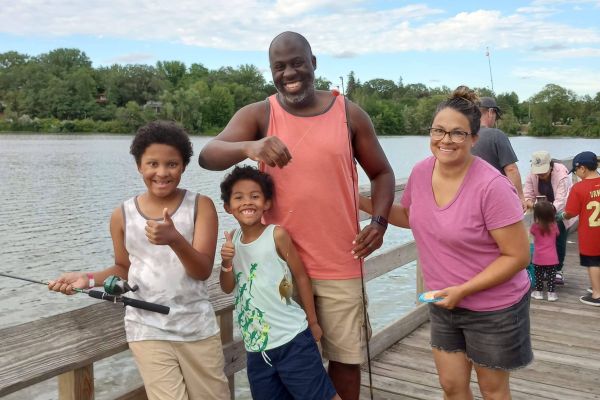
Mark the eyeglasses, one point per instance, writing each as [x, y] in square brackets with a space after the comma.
[456, 136]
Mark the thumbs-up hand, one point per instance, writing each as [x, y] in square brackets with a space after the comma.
[161, 232]
[227, 250]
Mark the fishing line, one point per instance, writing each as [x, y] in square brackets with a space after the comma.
[362, 271]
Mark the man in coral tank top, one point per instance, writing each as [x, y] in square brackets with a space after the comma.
[308, 141]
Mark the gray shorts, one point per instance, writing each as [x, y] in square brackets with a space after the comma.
[493, 339]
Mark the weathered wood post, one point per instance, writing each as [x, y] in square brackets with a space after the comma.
[226, 325]
[77, 384]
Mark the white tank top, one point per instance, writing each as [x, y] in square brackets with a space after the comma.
[265, 319]
[162, 279]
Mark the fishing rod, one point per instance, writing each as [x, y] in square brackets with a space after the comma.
[362, 271]
[114, 287]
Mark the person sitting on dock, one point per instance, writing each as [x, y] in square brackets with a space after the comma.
[584, 201]
[260, 262]
[309, 140]
[164, 242]
[468, 226]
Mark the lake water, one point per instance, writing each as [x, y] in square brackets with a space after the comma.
[57, 194]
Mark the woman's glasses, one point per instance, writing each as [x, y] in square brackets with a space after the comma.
[456, 136]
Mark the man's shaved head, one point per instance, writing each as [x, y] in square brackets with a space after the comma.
[289, 36]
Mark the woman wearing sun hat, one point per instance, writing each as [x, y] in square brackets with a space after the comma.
[551, 179]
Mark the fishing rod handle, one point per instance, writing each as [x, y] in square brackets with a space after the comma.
[144, 305]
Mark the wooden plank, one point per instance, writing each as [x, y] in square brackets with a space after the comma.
[138, 393]
[398, 329]
[390, 260]
[407, 389]
[77, 384]
[79, 338]
[226, 327]
[235, 357]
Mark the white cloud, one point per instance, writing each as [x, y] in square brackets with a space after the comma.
[340, 28]
[561, 53]
[577, 79]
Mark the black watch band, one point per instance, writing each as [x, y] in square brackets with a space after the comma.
[380, 220]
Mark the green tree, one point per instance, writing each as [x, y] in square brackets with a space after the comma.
[171, 71]
[322, 83]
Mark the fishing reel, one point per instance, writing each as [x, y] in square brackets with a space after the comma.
[117, 286]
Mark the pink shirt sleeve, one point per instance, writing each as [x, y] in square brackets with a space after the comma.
[501, 204]
[406, 199]
[528, 189]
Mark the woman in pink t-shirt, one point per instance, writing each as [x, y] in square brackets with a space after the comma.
[467, 222]
[545, 257]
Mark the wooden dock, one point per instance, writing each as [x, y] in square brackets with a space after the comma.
[566, 346]
[566, 343]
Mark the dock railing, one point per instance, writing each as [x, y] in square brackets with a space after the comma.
[67, 345]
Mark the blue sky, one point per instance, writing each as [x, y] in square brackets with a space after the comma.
[531, 43]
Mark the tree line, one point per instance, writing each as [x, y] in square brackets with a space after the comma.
[60, 91]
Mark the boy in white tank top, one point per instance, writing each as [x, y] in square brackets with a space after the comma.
[164, 242]
[260, 262]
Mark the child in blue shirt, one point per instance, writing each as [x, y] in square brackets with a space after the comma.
[260, 262]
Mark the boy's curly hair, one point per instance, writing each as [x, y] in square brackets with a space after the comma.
[247, 172]
[163, 132]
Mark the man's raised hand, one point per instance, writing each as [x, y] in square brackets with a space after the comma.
[270, 150]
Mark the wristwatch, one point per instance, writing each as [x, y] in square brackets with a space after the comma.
[380, 220]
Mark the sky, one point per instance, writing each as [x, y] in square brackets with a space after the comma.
[437, 43]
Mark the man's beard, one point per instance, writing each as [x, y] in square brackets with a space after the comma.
[296, 98]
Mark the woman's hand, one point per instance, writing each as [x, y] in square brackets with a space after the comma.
[451, 297]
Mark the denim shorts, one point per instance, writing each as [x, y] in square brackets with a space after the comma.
[296, 372]
[492, 339]
[589, 261]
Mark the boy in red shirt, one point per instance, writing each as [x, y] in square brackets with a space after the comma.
[584, 201]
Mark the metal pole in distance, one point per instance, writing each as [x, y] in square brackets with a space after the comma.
[487, 54]
[343, 90]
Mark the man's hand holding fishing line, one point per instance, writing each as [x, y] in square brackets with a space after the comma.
[270, 150]
[368, 240]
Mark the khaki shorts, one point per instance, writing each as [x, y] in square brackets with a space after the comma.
[182, 370]
[339, 307]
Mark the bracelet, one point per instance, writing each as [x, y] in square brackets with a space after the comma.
[91, 280]
[229, 269]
